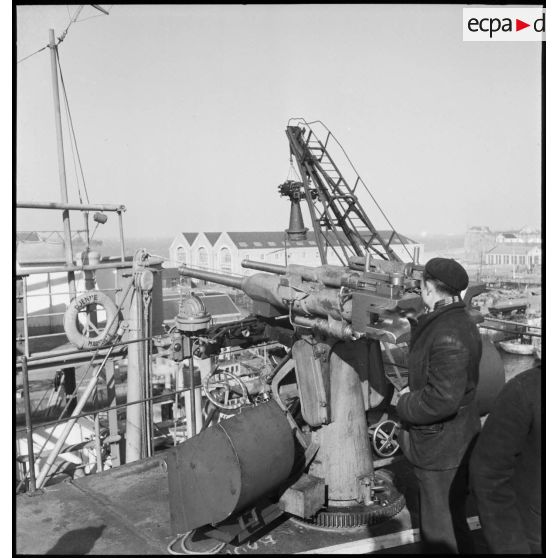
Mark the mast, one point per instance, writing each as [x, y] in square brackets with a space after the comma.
[62, 166]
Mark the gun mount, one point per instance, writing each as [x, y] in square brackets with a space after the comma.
[337, 317]
[333, 319]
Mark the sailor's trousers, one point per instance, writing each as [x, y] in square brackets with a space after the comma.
[443, 517]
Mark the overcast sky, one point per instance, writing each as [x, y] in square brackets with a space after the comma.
[180, 113]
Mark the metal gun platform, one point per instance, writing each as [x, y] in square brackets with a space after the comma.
[125, 511]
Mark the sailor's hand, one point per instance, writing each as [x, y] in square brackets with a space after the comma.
[398, 395]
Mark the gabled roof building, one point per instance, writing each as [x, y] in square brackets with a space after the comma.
[224, 251]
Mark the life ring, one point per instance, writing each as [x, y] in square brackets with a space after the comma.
[83, 339]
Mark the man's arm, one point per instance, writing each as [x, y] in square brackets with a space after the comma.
[445, 386]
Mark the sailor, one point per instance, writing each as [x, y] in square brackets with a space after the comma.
[506, 467]
[440, 420]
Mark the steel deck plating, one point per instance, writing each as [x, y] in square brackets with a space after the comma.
[125, 511]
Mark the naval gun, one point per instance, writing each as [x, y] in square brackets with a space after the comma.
[371, 298]
[313, 459]
[319, 468]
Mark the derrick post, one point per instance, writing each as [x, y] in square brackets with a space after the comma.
[61, 165]
[138, 424]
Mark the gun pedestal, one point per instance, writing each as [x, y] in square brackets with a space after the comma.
[344, 459]
[345, 454]
[338, 368]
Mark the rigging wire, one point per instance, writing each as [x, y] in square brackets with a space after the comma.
[72, 21]
[65, 32]
[93, 233]
[292, 174]
[33, 54]
[71, 122]
[72, 145]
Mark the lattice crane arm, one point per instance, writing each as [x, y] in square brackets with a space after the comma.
[339, 221]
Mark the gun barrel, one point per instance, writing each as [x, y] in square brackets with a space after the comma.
[263, 266]
[330, 275]
[211, 276]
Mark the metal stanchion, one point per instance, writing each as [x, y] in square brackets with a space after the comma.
[98, 448]
[192, 389]
[28, 425]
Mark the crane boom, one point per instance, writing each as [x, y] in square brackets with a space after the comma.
[339, 221]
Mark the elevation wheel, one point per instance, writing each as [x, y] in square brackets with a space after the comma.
[217, 388]
[384, 438]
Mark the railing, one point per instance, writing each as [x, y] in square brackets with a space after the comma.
[54, 318]
[70, 268]
[30, 475]
[24, 324]
[110, 409]
[84, 208]
[512, 327]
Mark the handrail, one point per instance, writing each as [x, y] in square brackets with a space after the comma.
[74, 206]
[24, 271]
[64, 293]
[47, 358]
[40, 336]
[516, 333]
[106, 409]
[509, 322]
[28, 428]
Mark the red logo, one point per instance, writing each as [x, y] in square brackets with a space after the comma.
[519, 25]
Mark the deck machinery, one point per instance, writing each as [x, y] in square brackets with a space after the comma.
[311, 458]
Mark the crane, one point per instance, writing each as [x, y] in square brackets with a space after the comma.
[340, 222]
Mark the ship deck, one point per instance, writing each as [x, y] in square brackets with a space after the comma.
[125, 511]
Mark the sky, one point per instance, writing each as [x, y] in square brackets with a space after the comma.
[180, 113]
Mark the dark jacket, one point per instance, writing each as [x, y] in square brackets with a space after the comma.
[506, 468]
[439, 412]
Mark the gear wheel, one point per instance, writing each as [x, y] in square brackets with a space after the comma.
[391, 502]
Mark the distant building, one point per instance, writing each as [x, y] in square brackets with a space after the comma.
[508, 237]
[514, 257]
[480, 241]
[225, 251]
[530, 235]
[181, 247]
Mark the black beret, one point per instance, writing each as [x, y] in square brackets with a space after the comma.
[448, 271]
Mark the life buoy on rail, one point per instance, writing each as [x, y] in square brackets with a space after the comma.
[83, 339]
